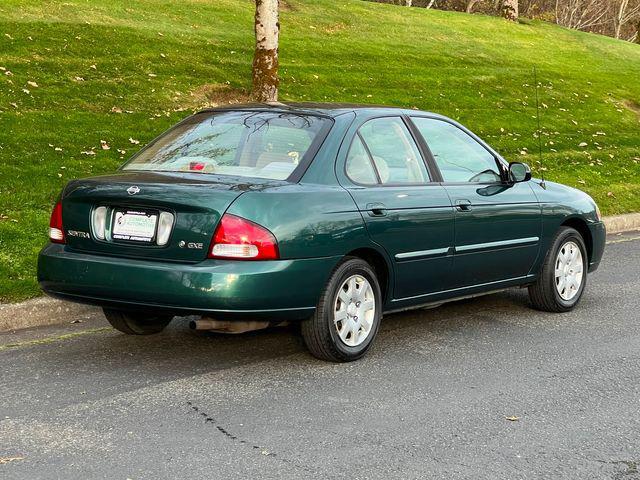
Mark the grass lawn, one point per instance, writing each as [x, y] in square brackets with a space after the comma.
[76, 73]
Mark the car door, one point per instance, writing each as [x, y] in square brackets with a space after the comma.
[497, 223]
[405, 212]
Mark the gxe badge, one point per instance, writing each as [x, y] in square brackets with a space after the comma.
[132, 190]
[192, 245]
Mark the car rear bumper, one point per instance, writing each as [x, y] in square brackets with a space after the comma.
[598, 240]
[275, 289]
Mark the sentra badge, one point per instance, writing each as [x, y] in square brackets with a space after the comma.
[76, 233]
[133, 189]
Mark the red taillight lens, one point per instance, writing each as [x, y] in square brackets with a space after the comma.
[241, 239]
[56, 230]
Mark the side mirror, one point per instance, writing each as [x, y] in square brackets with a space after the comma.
[519, 172]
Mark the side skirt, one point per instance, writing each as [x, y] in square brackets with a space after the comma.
[438, 298]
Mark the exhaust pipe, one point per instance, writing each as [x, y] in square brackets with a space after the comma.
[226, 326]
[203, 324]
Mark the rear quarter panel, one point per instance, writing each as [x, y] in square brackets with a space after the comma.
[309, 221]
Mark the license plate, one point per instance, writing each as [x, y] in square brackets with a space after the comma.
[134, 226]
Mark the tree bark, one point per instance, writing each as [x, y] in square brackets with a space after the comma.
[265, 60]
[510, 10]
[407, 3]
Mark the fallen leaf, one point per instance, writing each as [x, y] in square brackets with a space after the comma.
[26, 91]
[78, 79]
[104, 145]
[134, 141]
[512, 418]
[93, 67]
[583, 144]
[610, 194]
[33, 84]
[4, 460]
[116, 110]
[88, 152]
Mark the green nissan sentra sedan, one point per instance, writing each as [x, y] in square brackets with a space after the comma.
[326, 214]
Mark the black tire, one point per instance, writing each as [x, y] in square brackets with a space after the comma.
[543, 293]
[319, 332]
[136, 323]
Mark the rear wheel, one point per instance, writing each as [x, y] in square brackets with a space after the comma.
[136, 323]
[348, 314]
[563, 275]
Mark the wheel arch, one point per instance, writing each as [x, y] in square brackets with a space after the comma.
[581, 226]
[380, 265]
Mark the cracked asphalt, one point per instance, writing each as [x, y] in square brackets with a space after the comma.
[483, 388]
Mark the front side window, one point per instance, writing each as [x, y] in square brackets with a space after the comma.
[459, 157]
[391, 151]
[247, 144]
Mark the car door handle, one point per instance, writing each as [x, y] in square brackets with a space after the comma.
[463, 205]
[376, 209]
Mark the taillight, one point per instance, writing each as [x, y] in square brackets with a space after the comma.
[56, 230]
[242, 239]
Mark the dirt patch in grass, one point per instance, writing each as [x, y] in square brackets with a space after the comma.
[633, 106]
[287, 6]
[216, 95]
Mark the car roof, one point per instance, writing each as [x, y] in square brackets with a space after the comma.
[326, 109]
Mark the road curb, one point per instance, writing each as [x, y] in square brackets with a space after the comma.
[622, 223]
[42, 311]
[47, 311]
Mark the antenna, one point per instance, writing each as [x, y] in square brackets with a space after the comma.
[539, 132]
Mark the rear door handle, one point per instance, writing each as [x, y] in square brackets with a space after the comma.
[463, 205]
[376, 209]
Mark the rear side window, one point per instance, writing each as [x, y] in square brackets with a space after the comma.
[384, 152]
[252, 144]
[359, 166]
[459, 157]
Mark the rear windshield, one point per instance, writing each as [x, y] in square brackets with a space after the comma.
[247, 144]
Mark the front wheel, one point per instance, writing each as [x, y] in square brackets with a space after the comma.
[348, 314]
[136, 323]
[563, 276]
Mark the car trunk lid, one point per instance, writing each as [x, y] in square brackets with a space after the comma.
[134, 202]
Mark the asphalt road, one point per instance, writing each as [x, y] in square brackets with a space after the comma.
[431, 400]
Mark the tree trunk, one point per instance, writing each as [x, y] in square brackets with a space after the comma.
[470, 5]
[407, 3]
[510, 10]
[638, 32]
[265, 60]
